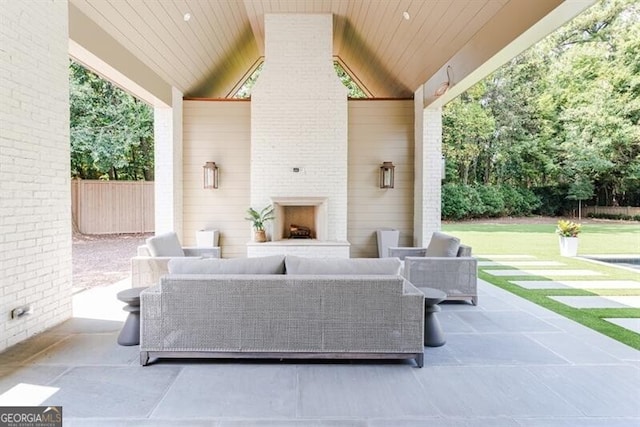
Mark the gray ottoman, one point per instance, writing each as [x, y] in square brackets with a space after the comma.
[130, 334]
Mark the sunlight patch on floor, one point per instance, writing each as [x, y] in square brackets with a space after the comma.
[26, 395]
[101, 302]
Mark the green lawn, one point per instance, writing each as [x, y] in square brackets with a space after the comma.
[541, 241]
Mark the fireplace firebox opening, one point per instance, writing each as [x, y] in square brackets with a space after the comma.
[299, 218]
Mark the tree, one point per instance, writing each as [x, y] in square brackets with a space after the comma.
[354, 90]
[245, 90]
[111, 131]
[581, 189]
[469, 127]
[593, 107]
[568, 107]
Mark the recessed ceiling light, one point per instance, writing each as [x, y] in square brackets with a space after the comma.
[406, 15]
[186, 17]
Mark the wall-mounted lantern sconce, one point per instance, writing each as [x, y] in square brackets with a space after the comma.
[386, 175]
[443, 169]
[210, 175]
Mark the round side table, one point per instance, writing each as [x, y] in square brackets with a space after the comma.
[130, 333]
[433, 335]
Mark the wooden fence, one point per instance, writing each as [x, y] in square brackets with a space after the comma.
[611, 210]
[112, 207]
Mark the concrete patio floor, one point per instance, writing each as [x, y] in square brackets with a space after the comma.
[507, 362]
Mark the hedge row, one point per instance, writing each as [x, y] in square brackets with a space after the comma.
[615, 216]
[479, 201]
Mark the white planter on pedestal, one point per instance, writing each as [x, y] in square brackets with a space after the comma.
[207, 238]
[568, 246]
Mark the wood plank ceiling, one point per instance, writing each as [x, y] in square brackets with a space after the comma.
[213, 52]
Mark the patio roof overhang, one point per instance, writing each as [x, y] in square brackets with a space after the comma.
[150, 47]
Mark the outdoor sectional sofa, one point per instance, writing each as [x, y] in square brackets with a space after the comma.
[319, 308]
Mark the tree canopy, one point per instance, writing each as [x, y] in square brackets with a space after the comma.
[564, 115]
[111, 131]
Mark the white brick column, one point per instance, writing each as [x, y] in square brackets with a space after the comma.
[428, 155]
[167, 130]
[299, 119]
[35, 190]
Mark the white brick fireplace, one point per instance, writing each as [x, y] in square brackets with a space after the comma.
[299, 130]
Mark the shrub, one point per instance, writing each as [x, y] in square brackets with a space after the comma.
[513, 201]
[491, 199]
[455, 204]
[568, 228]
[553, 201]
[623, 217]
[531, 201]
[477, 208]
[464, 201]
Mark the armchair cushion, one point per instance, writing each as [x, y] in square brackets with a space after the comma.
[443, 245]
[260, 265]
[165, 245]
[322, 266]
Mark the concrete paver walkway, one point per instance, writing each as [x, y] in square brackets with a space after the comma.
[631, 324]
[609, 301]
[580, 302]
[577, 284]
[507, 263]
[552, 273]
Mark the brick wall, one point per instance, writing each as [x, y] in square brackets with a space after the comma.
[299, 118]
[167, 129]
[431, 173]
[35, 201]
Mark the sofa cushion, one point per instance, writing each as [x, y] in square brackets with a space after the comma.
[347, 266]
[260, 265]
[443, 245]
[464, 251]
[165, 245]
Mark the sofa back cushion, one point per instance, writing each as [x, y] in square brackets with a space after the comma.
[443, 245]
[260, 265]
[165, 245]
[346, 266]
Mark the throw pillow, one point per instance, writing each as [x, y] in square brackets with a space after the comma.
[347, 266]
[443, 245]
[261, 265]
[165, 245]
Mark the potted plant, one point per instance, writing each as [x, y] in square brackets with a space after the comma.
[258, 220]
[568, 232]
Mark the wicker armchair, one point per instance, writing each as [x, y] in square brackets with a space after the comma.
[153, 258]
[457, 275]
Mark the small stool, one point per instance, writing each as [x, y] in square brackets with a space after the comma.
[130, 333]
[433, 335]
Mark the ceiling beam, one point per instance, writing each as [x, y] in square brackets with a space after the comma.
[91, 46]
[516, 27]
